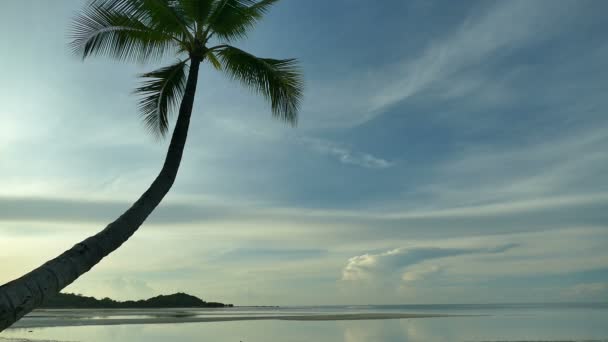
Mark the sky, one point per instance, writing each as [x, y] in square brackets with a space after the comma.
[446, 152]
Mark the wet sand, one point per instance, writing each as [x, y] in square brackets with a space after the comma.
[74, 318]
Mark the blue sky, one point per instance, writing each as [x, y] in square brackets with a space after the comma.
[446, 152]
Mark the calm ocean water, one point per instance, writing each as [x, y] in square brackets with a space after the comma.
[512, 322]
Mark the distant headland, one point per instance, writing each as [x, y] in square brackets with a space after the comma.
[177, 300]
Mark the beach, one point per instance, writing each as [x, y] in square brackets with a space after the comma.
[322, 324]
[66, 318]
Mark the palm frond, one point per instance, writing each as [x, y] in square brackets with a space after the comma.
[161, 94]
[163, 15]
[197, 10]
[101, 31]
[232, 19]
[280, 81]
[212, 58]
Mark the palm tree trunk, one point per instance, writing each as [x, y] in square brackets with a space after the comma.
[20, 296]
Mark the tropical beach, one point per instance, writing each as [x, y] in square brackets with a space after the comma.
[523, 322]
[288, 170]
[66, 318]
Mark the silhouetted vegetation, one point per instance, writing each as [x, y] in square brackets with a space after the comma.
[177, 300]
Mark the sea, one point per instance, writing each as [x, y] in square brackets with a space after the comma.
[456, 322]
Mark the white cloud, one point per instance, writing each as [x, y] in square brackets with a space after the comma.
[360, 267]
[444, 268]
[372, 267]
[419, 272]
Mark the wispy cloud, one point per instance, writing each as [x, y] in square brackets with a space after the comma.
[449, 65]
[552, 171]
[478, 39]
[262, 132]
[202, 211]
[503, 208]
[344, 154]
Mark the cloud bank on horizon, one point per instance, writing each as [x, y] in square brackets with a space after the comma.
[446, 152]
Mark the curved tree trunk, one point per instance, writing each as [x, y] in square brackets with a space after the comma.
[22, 295]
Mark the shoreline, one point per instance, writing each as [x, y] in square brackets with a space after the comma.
[62, 322]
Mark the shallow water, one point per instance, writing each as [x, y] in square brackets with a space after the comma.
[513, 323]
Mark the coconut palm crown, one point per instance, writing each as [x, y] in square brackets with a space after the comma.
[148, 30]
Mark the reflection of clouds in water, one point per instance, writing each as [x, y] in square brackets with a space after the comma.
[414, 331]
[356, 334]
[515, 324]
[123, 332]
[410, 330]
[374, 331]
[451, 329]
[400, 330]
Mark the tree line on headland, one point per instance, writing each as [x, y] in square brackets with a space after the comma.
[177, 300]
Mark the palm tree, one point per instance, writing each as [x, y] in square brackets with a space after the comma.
[149, 30]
